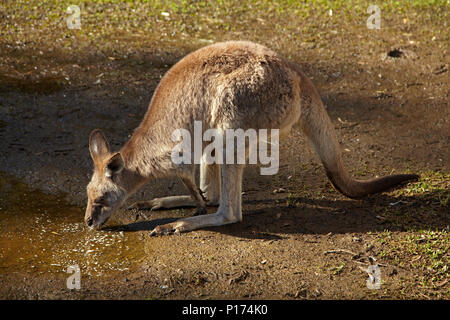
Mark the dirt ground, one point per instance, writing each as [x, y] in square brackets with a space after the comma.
[386, 91]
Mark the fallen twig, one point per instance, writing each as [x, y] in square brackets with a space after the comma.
[340, 251]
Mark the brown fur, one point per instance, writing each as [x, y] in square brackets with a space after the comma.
[231, 85]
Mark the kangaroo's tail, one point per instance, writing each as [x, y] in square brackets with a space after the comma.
[318, 127]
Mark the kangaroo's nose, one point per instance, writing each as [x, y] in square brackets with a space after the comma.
[89, 221]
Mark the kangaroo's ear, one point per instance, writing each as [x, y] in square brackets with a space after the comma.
[114, 165]
[98, 145]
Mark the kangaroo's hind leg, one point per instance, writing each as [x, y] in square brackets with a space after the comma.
[229, 211]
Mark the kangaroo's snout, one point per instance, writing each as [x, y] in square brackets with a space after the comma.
[93, 216]
[89, 221]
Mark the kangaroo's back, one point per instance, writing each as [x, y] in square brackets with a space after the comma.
[235, 84]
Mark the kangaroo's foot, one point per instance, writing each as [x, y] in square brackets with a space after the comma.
[229, 211]
[192, 223]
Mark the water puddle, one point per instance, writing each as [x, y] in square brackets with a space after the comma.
[42, 233]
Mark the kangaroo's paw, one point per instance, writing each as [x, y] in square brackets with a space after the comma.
[154, 204]
[165, 203]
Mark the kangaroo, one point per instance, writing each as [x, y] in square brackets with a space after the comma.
[229, 85]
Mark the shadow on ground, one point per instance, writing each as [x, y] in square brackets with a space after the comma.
[269, 218]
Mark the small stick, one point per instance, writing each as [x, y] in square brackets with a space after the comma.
[340, 251]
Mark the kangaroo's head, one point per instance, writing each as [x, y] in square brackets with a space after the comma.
[105, 191]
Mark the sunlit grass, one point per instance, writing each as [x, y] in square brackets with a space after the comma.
[422, 252]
